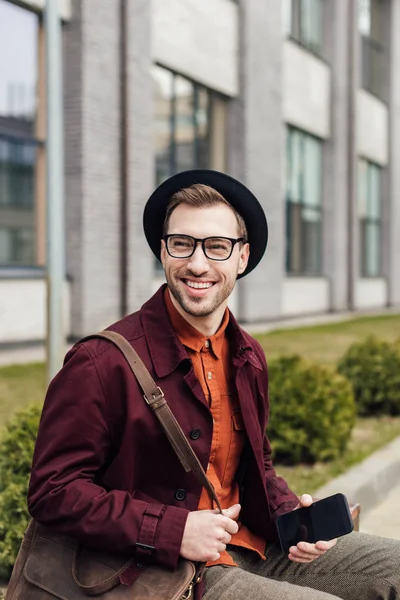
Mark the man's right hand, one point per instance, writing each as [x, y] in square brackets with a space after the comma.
[207, 533]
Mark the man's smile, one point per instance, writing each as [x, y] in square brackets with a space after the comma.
[198, 285]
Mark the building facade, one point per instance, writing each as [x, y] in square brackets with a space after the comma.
[300, 99]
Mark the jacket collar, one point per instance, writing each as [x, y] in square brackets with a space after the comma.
[167, 352]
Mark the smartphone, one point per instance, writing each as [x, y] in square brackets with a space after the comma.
[324, 520]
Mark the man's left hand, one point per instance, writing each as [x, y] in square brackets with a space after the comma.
[306, 552]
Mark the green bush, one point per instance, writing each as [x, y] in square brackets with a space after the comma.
[16, 449]
[373, 368]
[312, 411]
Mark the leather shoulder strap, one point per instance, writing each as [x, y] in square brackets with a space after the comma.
[154, 397]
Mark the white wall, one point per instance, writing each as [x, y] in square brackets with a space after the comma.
[23, 310]
[370, 293]
[372, 128]
[305, 295]
[306, 91]
[199, 39]
[65, 6]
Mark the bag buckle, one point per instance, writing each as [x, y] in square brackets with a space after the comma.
[154, 398]
[188, 593]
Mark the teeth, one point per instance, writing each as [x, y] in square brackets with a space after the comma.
[198, 286]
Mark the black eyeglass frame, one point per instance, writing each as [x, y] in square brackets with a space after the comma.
[202, 241]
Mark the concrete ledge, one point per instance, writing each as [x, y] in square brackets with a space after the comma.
[370, 481]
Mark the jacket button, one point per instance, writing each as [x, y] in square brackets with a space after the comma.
[195, 434]
[180, 494]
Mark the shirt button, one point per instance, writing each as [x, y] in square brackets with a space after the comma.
[195, 434]
[207, 343]
[209, 375]
[180, 494]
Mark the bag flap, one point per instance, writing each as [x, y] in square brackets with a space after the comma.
[49, 566]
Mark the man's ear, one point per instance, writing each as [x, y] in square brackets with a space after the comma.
[163, 251]
[243, 258]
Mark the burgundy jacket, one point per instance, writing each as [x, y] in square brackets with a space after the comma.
[103, 470]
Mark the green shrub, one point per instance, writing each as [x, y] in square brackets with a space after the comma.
[312, 411]
[16, 449]
[373, 368]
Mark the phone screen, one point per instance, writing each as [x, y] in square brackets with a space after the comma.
[323, 520]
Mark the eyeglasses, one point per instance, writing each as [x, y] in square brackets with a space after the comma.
[214, 248]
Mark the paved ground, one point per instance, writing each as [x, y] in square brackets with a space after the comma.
[384, 519]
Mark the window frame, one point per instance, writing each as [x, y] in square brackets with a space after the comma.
[369, 220]
[373, 51]
[197, 88]
[294, 18]
[36, 138]
[303, 204]
[214, 101]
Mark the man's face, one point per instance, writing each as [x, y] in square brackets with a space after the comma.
[198, 284]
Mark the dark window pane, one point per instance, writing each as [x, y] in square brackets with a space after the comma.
[370, 25]
[303, 21]
[294, 237]
[311, 228]
[311, 24]
[202, 117]
[18, 161]
[373, 58]
[182, 128]
[370, 198]
[304, 196]
[163, 89]
[184, 124]
[18, 149]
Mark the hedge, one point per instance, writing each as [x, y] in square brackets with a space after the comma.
[312, 411]
[373, 368]
[16, 450]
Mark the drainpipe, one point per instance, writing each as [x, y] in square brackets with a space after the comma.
[124, 170]
[351, 147]
[55, 252]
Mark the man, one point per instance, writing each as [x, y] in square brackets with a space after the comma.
[103, 471]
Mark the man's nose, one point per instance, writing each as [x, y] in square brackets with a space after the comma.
[198, 262]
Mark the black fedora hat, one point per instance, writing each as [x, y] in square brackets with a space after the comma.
[237, 194]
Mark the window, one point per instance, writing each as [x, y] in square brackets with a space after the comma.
[370, 26]
[182, 124]
[19, 147]
[303, 203]
[369, 205]
[303, 21]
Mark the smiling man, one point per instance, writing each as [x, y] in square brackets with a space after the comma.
[103, 471]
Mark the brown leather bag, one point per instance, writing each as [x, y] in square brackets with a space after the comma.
[50, 565]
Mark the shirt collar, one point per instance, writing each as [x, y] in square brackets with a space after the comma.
[189, 335]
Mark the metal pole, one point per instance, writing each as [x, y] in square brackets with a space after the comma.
[55, 191]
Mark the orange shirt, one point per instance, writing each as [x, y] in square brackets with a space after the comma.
[212, 366]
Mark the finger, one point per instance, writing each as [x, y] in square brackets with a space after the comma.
[232, 512]
[229, 525]
[307, 548]
[306, 500]
[298, 559]
[214, 557]
[295, 552]
[226, 538]
[221, 547]
[326, 545]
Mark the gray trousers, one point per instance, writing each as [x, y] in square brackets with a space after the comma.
[359, 567]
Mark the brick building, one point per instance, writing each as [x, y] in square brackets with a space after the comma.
[300, 99]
